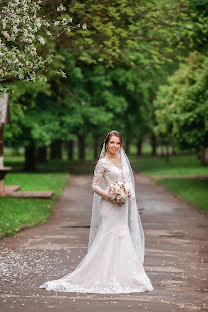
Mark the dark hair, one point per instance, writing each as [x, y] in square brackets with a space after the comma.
[109, 135]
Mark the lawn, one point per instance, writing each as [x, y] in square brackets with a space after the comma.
[18, 213]
[176, 166]
[192, 190]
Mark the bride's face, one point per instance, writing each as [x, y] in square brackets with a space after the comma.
[114, 145]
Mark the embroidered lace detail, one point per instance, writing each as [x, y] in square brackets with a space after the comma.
[100, 168]
[112, 287]
[111, 173]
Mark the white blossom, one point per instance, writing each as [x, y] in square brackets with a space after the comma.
[15, 29]
[42, 41]
[84, 26]
[61, 8]
[38, 22]
[20, 23]
[64, 21]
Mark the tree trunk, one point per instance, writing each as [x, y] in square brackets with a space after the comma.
[139, 147]
[127, 145]
[42, 154]
[162, 153]
[29, 164]
[95, 146]
[55, 149]
[81, 144]
[203, 155]
[167, 154]
[174, 151]
[70, 149]
[154, 145]
[1, 146]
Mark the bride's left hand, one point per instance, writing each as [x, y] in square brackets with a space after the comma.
[132, 197]
[119, 201]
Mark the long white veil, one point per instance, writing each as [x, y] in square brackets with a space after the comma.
[134, 221]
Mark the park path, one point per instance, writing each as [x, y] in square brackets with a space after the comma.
[176, 250]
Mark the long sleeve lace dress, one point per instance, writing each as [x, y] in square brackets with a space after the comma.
[111, 264]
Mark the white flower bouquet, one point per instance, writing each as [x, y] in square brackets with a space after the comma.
[119, 192]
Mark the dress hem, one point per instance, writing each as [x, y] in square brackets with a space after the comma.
[98, 291]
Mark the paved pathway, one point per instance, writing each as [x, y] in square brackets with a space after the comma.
[175, 256]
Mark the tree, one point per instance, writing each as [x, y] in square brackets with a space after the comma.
[199, 25]
[182, 105]
[24, 32]
[109, 71]
[155, 29]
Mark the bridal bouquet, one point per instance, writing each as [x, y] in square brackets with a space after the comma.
[119, 191]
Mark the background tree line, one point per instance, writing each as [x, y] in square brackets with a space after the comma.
[124, 72]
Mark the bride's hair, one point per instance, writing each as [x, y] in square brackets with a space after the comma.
[109, 135]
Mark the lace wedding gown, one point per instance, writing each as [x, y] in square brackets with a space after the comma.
[111, 264]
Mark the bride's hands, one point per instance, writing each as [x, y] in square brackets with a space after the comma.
[132, 197]
[112, 201]
[109, 198]
[119, 201]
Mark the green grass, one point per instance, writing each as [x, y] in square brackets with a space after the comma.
[192, 190]
[177, 165]
[37, 181]
[19, 213]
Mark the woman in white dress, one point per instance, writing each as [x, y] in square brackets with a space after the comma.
[115, 257]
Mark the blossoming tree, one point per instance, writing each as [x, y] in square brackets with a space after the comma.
[23, 34]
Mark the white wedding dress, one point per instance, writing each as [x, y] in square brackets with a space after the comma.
[111, 265]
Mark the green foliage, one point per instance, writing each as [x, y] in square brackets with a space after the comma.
[112, 71]
[26, 118]
[182, 105]
[156, 29]
[200, 24]
[91, 100]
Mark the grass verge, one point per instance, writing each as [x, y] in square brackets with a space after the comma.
[19, 213]
[176, 166]
[169, 173]
[192, 190]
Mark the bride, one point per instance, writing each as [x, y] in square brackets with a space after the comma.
[115, 257]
